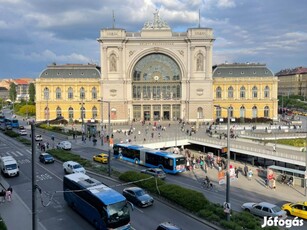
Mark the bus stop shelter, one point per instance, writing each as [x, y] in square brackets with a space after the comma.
[298, 175]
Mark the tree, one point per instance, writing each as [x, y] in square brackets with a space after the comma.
[31, 92]
[13, 92]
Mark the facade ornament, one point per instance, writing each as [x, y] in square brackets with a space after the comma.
[131, 52]
[157, 23]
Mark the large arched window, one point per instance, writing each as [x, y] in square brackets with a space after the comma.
[218, 92]
[58, 112]
[242, 112]
[255, 92]
[200, 114]
[218, 112]
[82, 93]
[254, 112]
[82, 112]
[46, 94]
[70, 93]
[94, 93]
[71, 113]
[200, 62]
[230, 92]
[266, 112]
[242, 92]
[267, 92]
[94, 112]
[58, 93]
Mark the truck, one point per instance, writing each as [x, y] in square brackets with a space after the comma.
[9, 166]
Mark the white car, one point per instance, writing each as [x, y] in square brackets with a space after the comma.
[73, 167]
[264, 209]
[66, 145]
[38, 137]
[23, 132]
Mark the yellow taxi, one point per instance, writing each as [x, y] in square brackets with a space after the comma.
[298, 209]
[102, 158]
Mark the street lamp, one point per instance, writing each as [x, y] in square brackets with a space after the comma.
[109, 133]
[82, 117]
[228, 159]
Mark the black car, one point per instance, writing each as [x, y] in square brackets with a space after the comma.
[46, 158]
[138, 196]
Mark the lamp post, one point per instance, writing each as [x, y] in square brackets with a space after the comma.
[228, 160]
[82, 118]
[109, 133]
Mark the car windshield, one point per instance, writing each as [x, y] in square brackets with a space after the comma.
[77, 166]
[11, 166]
[140, 193]
[276, 209]
[159, 172]
[47, 156]
[117, 211]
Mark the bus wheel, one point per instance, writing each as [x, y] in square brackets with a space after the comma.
[120, 156]
[136, 162]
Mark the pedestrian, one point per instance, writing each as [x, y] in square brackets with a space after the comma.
[274, 148]
[245, 170]
[237, 172]
[273, 184]
[2, 196]
[8, 195]
[250, 174]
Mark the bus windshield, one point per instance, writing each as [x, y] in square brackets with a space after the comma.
[118, 210]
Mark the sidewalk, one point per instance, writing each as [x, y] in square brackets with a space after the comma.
[15, 213]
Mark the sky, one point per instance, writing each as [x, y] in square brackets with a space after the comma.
[37, 33]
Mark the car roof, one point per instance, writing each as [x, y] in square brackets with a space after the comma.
[266, 204]
[169, 226]
[72, 162]
[46, 154]
[134, 188]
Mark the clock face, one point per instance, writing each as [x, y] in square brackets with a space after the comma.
[156, 78]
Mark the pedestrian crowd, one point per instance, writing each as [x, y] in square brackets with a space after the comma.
[6, 194]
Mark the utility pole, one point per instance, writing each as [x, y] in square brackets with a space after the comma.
[34, 219]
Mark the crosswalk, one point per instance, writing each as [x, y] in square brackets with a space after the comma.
[16, 153]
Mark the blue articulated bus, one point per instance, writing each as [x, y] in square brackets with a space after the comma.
[168, 162]
[102, 206]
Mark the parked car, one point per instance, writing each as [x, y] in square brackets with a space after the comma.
[73, 167]
[66, 145]
[167, 226]
[46, 158]
[38, 137]
[138, 196]
[23, 132]
[156, 172]
[265, 209]
[102, 158]
[298, 209]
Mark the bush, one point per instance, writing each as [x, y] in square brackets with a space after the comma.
[11, 133]
[2, 224]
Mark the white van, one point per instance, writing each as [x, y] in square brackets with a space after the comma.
[9, 166]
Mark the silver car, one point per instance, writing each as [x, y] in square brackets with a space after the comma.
[156, 172]
[265, 209]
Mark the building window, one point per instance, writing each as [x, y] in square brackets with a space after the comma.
[255, 112]
[94, 93]
[242, 112]
[200, 114]
[200, 62]
[136, 92]
[267, 92]
[218, 112]
[218, 92]
[94, 112]
[255, 92]
[82, 93]
[70, 93]
[58, 93]
[230, 92]
[46, 94]
[242, 92]
[71, 113]
[58, 112]
[231, 111]
[46, 113]
[113, 63]
[82, 112]
[266, 111]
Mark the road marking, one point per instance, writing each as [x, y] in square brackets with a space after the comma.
[19, 153]
[15, 154]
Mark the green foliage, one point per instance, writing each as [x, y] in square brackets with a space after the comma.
[64, 155]
[24, 140]
[31, 92]
[301, 142]
[2, 224]
[29, 110]
[12, 92]
[11, 133]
